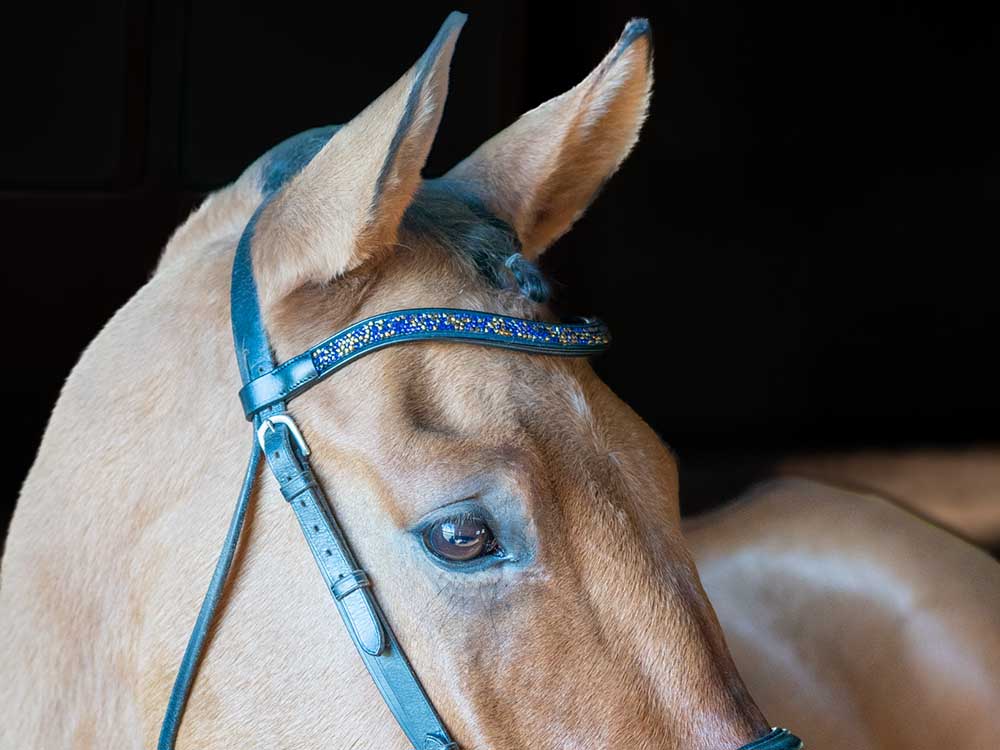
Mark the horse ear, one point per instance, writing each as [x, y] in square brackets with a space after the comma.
[348, 201]
[542, 172]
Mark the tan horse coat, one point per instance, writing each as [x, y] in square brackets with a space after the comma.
[600, 635]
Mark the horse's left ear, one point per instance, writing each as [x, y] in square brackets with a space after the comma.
[542, 172]
[346, 203]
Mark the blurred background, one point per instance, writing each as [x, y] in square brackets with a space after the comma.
[799, 258]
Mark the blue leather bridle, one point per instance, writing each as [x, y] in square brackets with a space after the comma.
[267, 387]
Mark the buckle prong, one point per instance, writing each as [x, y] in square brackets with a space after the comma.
[285, 419]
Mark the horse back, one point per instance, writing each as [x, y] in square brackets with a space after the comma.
[866, 625]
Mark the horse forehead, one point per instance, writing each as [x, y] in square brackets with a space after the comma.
[467, 393]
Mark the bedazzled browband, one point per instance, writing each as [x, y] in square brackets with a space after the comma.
[422, 324]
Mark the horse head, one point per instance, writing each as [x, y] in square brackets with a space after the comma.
[520, 522]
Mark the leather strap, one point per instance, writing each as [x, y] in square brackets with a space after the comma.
[352, 592]
[196, 642]
[778, 738]
[329, 548]
[253, 349]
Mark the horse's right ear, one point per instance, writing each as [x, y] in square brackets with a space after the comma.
[348, 201]
[542, 172]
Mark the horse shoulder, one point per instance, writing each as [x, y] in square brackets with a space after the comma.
[854, 619]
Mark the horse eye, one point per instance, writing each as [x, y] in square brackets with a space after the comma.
[461, 539]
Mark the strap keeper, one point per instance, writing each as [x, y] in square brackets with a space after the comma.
[350, 583]
[297, 485]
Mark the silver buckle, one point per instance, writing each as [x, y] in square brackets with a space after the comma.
[270, 422]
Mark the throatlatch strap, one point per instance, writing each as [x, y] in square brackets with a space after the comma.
[196, 643]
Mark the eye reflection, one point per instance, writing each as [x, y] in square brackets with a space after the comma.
[461, 538]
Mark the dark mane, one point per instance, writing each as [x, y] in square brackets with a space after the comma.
[445, 212]
[442, 211]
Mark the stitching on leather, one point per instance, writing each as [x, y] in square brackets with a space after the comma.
[283, 365]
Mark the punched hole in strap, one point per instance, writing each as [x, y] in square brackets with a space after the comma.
[349, 583]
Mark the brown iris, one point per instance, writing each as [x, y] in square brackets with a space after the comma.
[460, 538]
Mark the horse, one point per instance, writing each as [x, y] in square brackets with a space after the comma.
[607, 622]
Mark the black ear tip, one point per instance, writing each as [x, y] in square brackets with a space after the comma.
[451, 26]
[455, 18]
[637, 28]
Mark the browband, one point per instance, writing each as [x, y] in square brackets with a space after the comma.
[422, 324]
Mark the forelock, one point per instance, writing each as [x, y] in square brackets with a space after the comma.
[445, 213]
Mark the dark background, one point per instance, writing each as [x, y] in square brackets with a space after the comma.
[801, 254]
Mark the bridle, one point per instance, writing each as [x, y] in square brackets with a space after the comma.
[267, 387]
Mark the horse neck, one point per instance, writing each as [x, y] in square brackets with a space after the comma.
[272, 576]
[151, 405]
